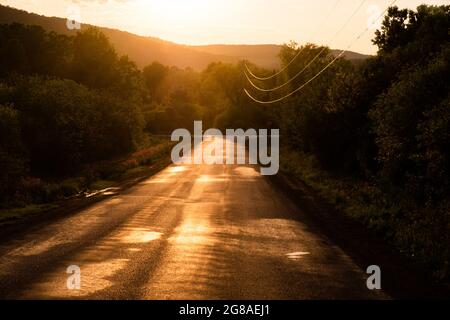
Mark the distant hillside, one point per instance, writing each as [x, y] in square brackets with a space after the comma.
[263, 55]
[142, 50]
[145, 50]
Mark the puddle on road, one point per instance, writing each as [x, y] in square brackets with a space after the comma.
[105, 192]
[297, 255]
[140, 235]
[247, 171]
[95, 276]
[191, 232]
[177, 169]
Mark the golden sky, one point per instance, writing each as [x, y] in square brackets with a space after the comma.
[230, 21]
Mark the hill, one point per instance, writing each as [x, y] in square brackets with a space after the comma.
[144, 50]
[265, 55]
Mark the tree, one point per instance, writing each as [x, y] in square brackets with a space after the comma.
[12, 160]
[31, 50]
[94, 60]
[128, 83]
[153, 75]
[414, 34]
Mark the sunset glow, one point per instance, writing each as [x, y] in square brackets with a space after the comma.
[225, 22]
[229, 156]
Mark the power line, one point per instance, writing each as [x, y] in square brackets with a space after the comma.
[313, 60]
[298, 53]
[321, 71]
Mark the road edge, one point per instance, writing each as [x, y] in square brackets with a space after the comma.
[69, 207]
[401, 279]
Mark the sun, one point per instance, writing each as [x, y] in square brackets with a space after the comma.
[183, 21]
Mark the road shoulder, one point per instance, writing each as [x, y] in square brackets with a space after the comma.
[400, 278]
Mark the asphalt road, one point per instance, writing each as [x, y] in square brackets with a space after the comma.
[189, 232]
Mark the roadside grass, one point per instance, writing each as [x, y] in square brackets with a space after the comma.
[38, 195]
[420, 233]
[8, 216]
[102, 184]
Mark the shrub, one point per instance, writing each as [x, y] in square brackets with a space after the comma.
[12, 161]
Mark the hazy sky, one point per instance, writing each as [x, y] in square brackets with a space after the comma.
[230, 21]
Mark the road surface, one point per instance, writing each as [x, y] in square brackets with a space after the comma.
[189, 232]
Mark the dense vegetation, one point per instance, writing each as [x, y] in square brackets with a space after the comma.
[381, 132]
[68, 102]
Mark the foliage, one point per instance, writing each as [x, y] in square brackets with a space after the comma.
[409, 126]
[65, 124]
[12, 160]
[154, 75]
[383, 125]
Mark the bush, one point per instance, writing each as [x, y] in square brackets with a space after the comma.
[66, 125]
[410, 126]
[12, 160]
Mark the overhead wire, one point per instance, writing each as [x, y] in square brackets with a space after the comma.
[298, 53]
[321, 71]
[312, 61]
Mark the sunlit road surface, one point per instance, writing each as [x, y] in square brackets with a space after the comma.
[189, 232]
